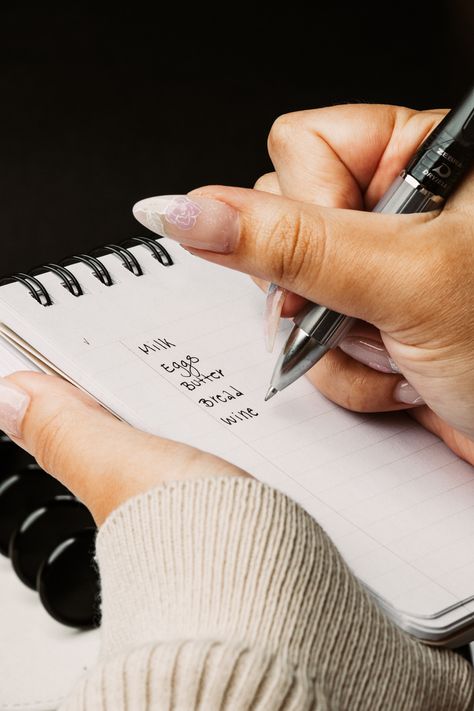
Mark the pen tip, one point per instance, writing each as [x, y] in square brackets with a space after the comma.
[271, 392]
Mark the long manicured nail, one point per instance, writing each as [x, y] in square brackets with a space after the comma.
[404, 392]
[201, 223]
[271, 319]
[369, 352]
[13, 405]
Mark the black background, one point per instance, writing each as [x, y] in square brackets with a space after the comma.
[102, 106]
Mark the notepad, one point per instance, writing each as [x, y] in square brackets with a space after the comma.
[178, 351]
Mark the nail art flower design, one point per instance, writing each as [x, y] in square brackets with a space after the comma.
[182, 212]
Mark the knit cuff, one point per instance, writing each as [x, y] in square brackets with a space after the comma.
[217, 558]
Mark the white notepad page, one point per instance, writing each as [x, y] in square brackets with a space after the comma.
[398, 503]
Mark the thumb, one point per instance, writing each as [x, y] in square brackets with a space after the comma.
[102, 460]
[361, 264]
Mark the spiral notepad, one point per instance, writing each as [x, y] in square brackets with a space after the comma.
[173, 345]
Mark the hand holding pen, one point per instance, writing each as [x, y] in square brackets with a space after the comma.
[407, 279]
[435, 170]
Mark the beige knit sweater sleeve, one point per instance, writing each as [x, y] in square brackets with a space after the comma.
[222, 594]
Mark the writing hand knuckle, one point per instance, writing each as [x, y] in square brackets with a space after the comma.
[282, 132]
[49, 441]
[263, 181]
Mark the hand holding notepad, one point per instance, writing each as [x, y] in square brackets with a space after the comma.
[113, 448]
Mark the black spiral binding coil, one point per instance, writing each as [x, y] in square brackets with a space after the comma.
[69, 280]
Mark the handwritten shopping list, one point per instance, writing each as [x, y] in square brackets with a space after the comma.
[207, 381]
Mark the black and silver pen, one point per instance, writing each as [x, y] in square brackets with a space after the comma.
[431, 175]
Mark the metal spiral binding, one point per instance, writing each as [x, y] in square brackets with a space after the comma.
[69, 280]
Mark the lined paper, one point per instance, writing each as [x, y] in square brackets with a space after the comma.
[179, 352]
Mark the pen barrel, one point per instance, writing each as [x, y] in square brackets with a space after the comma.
[407, 195]
[326, 327]
[447, 153]
[440, 165]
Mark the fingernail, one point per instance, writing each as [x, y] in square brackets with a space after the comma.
[371, 353]
[201, 222]
[271, 319]
[404, 392]
[13, 405]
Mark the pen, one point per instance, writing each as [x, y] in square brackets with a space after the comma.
[430, 176]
